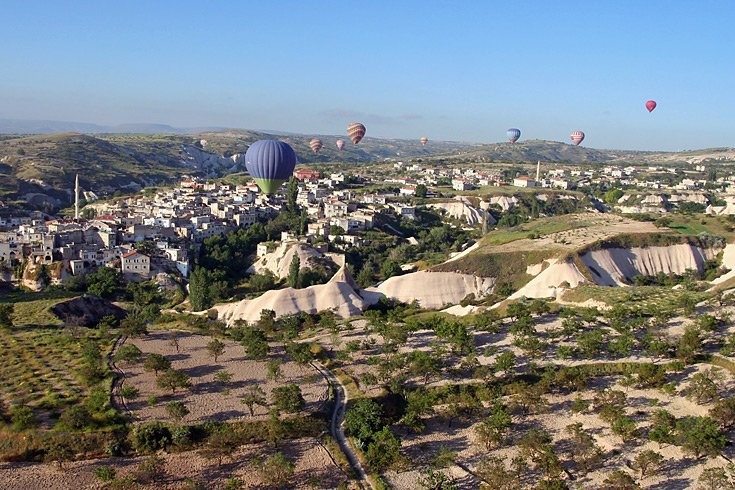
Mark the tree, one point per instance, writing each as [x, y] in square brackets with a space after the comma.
[294, 270]
[177, 410]
[662, 427]
[223, 377]
[173, 339]
[425, 364]
[152, 469]
[613, 195]
[255, 342]
[700, 436]
[625, 428]
[689, 345]
[276, 470]
[609, 404]
[299, 352]
[156, 363]
[288, 398]
[215, 348]
[364, 419]
[647, 462]
[274, 370]
[58, 450]
[292, 192]
[420, 190]
[436, 480]
[133, 326]
[256, 396]
[384, 450]
[221, 444]
[390, 268]
[505, 362]
[702, 388]
[724, 412]
[129, 353]
[7, 315]
[172, 379]
[714, 479]
[662, 222]
[492, 431]
[585, 453]
[620, 480]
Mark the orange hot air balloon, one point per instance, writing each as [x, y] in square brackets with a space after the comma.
[316, 145]
[340, 144]
[424, 140]
[356, 131]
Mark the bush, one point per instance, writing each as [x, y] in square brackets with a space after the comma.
[104, 473]
[22, 418]
[151, 437]
[129, 392]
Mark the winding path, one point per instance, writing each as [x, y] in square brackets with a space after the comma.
[338, 415]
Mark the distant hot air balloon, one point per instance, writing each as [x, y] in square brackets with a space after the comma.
[577, 137]
[316, 145]
[651, 105]
[424, 140]
[340, 144]
[513, 134]
[356, 131]
[270, 163]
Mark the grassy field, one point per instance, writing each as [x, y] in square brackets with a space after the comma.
[540, 227]
[698, 223]
[640, 296]
[32, 308]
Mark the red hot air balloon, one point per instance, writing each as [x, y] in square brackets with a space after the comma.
[651, 105]
[424, 140]
[316, 145]
[340, 144]
[577, 137]
[356, 131]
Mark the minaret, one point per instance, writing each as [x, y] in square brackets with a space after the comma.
[76, 197]
[538, 171]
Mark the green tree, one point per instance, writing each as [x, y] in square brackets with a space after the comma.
[613, 195]
[288, 398]
[299, 352]
[662, 428]
[364, 419]
[277, 470]
[384, 450]
[292, 192]
[421, 190]
[129, 353]
[294, 271]
[647, 462]
[215, 348]
[619, 480]
[273, 370]
[493, 430]
[156, 363]
[177, 410]
[256, 396]
[700, 436]
[172, 379]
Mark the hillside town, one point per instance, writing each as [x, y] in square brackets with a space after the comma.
[174, 222]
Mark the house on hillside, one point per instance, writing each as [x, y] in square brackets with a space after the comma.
[524, 182]
[136, 263]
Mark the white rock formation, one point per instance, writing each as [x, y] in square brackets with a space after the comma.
[279, 261]
[462, 209]
[432, 289]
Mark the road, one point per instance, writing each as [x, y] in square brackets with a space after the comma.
[338, 415]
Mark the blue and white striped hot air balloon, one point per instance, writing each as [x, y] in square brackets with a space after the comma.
[513, 134]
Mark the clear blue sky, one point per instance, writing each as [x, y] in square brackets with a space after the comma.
[447, 70]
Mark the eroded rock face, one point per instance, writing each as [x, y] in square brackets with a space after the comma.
[89, 309]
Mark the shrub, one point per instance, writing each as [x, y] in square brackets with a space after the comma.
[177, 410]
[104, 473]
[151, 437]
[22, 418]
[129, 392]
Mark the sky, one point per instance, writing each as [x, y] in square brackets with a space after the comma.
[447, 70]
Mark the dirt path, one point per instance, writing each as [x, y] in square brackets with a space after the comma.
[338, 415]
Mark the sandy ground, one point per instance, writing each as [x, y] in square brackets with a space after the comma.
[208, 398]
[314, 468]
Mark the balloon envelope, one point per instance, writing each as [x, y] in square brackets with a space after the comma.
[316, 145]
[424, 140]
[513, 134]
[356, 131]
[651, 105]
[577, 137]
[270, 163]
[340, 144]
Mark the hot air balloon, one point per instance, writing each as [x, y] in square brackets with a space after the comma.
[577, 137]
[513, 134]
[340, 144]
[270, 163]
[424, 140]
[651, 105]
[356, 131]
[316, 145]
